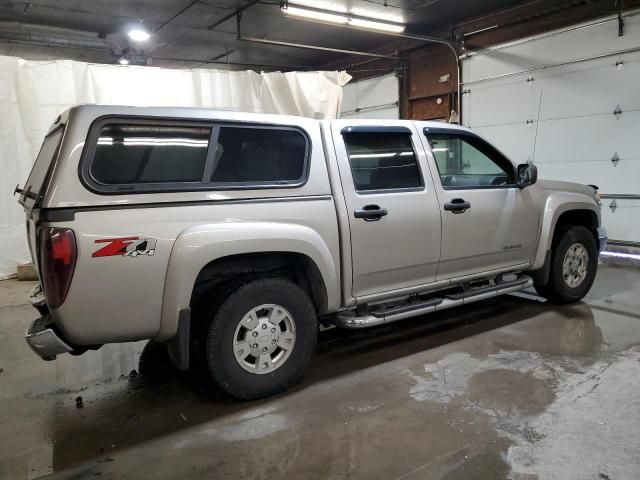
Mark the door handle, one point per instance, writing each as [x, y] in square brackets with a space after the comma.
[457, 205]
[370, 213]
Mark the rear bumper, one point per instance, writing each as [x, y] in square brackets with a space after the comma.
[602, 238]
[44, 340]
[40, 335]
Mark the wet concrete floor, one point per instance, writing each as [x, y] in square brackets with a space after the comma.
[507, 388]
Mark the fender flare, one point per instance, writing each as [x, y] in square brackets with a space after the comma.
[555, 205]
[197, 246]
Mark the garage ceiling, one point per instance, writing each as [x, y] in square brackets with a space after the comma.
[191, 33]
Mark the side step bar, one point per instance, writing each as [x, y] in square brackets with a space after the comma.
[379, 314]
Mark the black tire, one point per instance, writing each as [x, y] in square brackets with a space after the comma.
[557, 290]
[226, 370]
[542, 290]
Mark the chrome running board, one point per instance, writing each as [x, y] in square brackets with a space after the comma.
[383, 313]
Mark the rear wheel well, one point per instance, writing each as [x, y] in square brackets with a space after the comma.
[242, 268]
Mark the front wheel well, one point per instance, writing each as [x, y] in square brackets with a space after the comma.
[566, 220]
[584, 218]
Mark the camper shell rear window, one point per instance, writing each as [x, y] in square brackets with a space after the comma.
[153, 155]
[33, 190]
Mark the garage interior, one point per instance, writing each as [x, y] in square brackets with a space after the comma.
[511, 387]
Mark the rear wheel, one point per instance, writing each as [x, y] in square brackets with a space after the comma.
[261, 338]
[574, 262]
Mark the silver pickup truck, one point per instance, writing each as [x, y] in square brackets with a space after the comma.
[231, 236]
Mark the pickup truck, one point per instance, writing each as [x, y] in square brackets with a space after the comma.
[231, 237]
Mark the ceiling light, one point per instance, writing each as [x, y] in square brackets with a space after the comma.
[316, 15]
[377, 15]
[322, 4]
[138, 34]
[375, 25]
[123, 61]
[343, 18]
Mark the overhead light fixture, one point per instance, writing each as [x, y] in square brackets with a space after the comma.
[316, 15]
[138, 34]
[339, 17]
[123, 61]
[376, 25]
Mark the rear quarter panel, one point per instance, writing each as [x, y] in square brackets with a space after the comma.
[120, 297]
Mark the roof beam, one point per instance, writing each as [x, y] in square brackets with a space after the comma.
[280, 43]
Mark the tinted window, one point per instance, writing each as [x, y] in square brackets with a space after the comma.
[43, 162]
[465, 161]
[382, 160]
[258, 155]
[134, 154]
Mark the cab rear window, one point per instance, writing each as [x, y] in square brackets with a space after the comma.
[150, 156]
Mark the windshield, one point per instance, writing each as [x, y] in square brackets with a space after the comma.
[38, 174]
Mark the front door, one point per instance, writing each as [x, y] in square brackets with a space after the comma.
[394, 217]
[488, 223]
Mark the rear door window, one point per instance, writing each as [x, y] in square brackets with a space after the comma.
[382, 160]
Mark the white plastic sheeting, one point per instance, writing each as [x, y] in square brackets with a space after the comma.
[33, 93]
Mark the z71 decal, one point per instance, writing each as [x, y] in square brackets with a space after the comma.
[126, 247]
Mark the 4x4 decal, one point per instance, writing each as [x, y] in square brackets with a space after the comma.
[126, 247]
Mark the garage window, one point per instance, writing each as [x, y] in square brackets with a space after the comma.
[150, 156]
[382, 160]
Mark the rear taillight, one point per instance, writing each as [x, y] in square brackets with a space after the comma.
[58, 254]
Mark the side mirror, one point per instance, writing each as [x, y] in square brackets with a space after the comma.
[527, 175]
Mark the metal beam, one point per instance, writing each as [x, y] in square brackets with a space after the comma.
[280, 43]
[80, 42]
[169, 20]
[222, 55]
[238, 64]
[229, 16]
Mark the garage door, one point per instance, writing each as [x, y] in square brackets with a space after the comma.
[569, 101]
[371, 98]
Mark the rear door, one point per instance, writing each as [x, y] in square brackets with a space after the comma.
[394, 218]
[488, 223]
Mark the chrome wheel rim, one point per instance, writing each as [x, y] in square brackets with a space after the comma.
[574, 266]
[264, 339]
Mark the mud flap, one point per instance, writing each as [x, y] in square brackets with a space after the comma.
[178, 346]
[541, 276]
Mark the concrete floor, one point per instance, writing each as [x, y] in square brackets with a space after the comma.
[507, 388]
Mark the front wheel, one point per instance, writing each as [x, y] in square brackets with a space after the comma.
[261, 338]
[574, 263]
